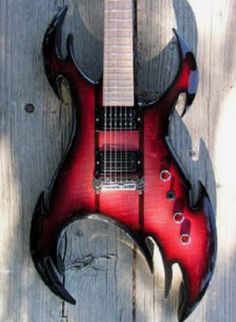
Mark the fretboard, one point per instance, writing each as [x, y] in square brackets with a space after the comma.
[118, 79]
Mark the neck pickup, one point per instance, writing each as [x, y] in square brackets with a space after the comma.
[118, 119]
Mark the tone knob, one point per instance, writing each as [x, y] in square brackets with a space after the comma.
[185, 239]
[178, 217]
[165, 175]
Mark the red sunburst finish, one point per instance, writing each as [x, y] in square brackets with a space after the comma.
[184, 235]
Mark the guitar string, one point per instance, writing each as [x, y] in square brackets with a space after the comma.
[128, 125]
[126, 138]
[115, 129]
[105, 107]
[116, 147]
[105, 143]
[110, 145]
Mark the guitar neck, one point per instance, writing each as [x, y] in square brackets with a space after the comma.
[118, 73]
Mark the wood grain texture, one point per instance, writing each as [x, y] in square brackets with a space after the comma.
[111, 282]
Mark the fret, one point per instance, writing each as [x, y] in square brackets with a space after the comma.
[117, 46]
[115, 2]
[117, 58]
[119, 37]
[117, 30]
[119, 64]
[116, 96]
[118, 99]
[115, 90]
[119, 15]
[121, 89]
[118, 33]
[115, 100]
[121, 82]
[117, 10]
[118, 25]
[122, 69]
[126, 5]
[118, 54]
[120, 103]
[120, 86]
[124, 22]
[115, 63]
[123, 76]
[119, 41]
[119, 19]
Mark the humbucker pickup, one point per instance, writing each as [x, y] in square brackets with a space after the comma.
[118, 170]
[118, 119]
[112, 161]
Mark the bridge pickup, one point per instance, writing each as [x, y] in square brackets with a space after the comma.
[118, 119]
[118, 162]
[118, 170]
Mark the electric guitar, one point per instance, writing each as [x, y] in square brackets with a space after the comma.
[120, 166]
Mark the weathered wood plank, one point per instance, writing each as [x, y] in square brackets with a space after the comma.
[103, 273]
[116, 285]
[25, 170]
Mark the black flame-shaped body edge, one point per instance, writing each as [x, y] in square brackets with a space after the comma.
[49, 265]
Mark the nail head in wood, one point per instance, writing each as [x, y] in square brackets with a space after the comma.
[29, 108]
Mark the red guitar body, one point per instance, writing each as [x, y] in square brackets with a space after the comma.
[185, 233]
